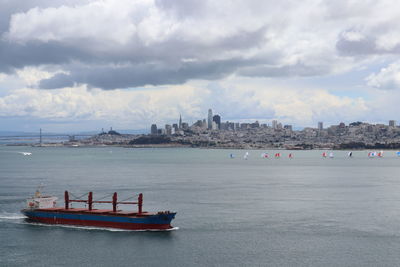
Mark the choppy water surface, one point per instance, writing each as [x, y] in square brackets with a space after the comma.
[305, 211]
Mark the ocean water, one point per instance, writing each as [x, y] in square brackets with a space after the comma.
[305, 211]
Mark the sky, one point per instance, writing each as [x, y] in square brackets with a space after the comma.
[82, 65]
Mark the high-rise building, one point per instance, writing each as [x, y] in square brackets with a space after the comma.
[210, 119]
[168, 129]
[288, 127]
[214, 126]
[274, 124]
[320, 126]
[217, 120]
[175, 126]
[185, 126]
[180, 121]
[392, 123]
[153, 129]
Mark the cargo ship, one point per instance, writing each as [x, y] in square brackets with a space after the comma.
[43, 209]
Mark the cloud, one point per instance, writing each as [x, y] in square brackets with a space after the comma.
[387, 78]
[138, 109]
[159, 42]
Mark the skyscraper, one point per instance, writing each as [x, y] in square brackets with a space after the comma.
[392, 123]
[210, 119]
[217, 120]
[180, 121]
[168, 129]
[275, 124]
[320, 126]
[153, 129]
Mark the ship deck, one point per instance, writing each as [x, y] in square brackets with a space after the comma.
[97, 212]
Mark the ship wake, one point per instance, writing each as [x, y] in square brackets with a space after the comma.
[91, 228]
[7, 216]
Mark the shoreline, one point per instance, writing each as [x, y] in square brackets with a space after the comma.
[189, 146]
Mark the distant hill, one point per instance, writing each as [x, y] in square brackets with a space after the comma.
[21, 133]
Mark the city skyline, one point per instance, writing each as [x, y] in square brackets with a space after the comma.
[156, 60]
[214, 122]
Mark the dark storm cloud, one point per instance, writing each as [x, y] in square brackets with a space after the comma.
[14, 56]
[171, 42]
[107, 77]
[365, 45]
[298, 69]
[134, 64]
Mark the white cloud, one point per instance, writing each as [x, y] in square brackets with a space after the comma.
[386, 78]
[32, 75]
[112, 44]
[139, 108]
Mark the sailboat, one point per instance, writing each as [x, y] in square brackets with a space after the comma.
[246, 155]
[324, 155]
[290, 155]
[331, 155]
[350, 154]
[232, 156]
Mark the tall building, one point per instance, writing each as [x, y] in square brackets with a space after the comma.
[320, 126]
[214, 126]
[217, 120]
[275, 124]
[153, 129]
[168, 129]
[180, 121]
[185, 126]
[288, 127]
[392, 123]
[210, 119]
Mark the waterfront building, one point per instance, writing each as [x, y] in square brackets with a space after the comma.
[153, 129]
[210, 119]
[320, 126]
[217, 120]
[392, 123]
